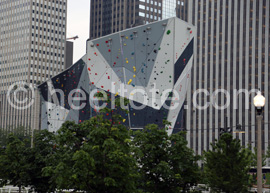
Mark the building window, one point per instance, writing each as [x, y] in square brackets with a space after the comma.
[141, 14]
[141, 6]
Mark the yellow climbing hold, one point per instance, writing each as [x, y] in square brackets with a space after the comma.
[130, 80]
[124, 120]
[134, 68]
[126, 37]
[116, 94]
[127, 61]
[134, 76]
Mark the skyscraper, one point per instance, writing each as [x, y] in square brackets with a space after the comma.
[111, 16]
[115, 15]
[33, 34]
[231, 53]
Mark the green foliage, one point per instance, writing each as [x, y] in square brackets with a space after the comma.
[94, 156]
[14, 162]
[165, 162]
[100, 155]
[40, 157]
[67, 141]
[227, 165]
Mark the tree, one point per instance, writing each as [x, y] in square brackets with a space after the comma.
[94, 156]
[14, 163]
[59, 166]
[107, 154]
[165, 162]
[227, 165]
[39, 158]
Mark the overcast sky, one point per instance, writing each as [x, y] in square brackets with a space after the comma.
[78, 15]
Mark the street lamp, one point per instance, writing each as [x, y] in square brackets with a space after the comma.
[259, 102]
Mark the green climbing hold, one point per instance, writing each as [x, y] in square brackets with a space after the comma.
[168, 32]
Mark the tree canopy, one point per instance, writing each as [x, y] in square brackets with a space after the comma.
[165, 162]
[227, 165]
[101, 155]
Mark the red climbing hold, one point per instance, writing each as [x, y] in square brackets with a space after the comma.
[190, 32]
[109, 50]
[92, 82]
[107, 42]
[109, 77]
[89, 69]
[97, 44]
[95, 73]
[102, 86]
[89, 59]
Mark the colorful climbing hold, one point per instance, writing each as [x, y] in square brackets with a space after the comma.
[168, 32]
[130, 80]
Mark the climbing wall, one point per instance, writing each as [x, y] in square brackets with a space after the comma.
[150, 65]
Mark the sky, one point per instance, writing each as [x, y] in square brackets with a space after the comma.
[78, 15]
